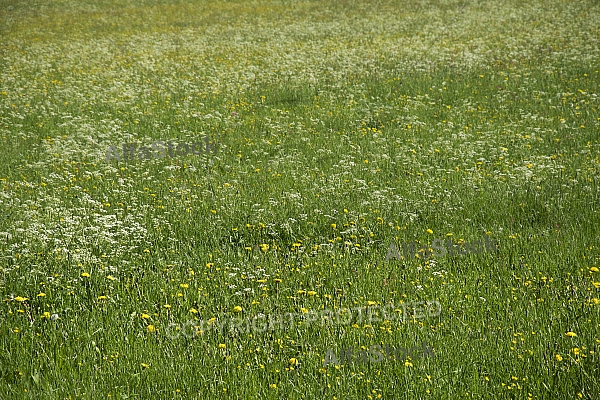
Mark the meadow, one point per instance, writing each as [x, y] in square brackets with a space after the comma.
[339, 127]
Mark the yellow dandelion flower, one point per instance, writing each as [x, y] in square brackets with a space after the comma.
[594, 269]
[101, 297]
[145, 365]
[273, 386]
[209, 265]
[333, 226]
[46, 315]
[304, 310]
[193, 311]
[596, 284]
[311, 292]
[277, 280]
[264, 247]
[430, 231]
[237, 309]
[85, 275]
[41, 295]
[371, 303]
[151, 328]
[184, 285]
[558, 357]
[167, 306]
[21, 299]
[293, 361]
[110, 277]
[222, 345]
[144, 316]
[571, 334]
[301, 291]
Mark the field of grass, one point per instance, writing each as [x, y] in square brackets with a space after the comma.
[339, 128]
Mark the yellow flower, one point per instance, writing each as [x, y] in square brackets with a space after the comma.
[110, 277]
[144, 316]
[21, 299]
[101, 297]
[594, 269]
[41, 295]
[301, 291]
[277, 280]
[273, 386]
[264, 247]
[209, 265]
[46, 315]
[558, 357]
[85, 275]
[184, 285]
[333, 226]
[293, 361]
[167, 306]
[151, 328]
[222, 345]
[145, 365]
[193, 311]
[237, 309]
[311, 293]
[304, 310]
[371, 303]
[430, 231]
[571, 334]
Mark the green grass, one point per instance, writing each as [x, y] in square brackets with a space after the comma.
[341, 127]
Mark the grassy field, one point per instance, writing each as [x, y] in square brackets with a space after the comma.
[341, 134]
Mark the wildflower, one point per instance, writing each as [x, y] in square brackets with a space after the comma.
[193, 311]
[293, 361]
[222, 345]
[144, 316]
[101, 297]
[41, 295]
[571, 334]
[333, 226]
[237, 309]
[85, 275]
[594, 269]
[151, 328]
[311, 293]
[184, 285]
[301, 291]
[46, 315]
[558, 357]
[430, 231]
[145, 365]
[21, 299]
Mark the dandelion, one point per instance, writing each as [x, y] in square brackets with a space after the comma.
[571, 334]
[594, 269]
[293, 361]
[311, 293]
[101, 297]
[184, 285]
[144, 316]
[41, 295]
[85, 275]
[46, 315]
[21, 299]
[145, 365]
[430, 231]
[222, 345]
[558, 357]
[151, 328]
[237, 309]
